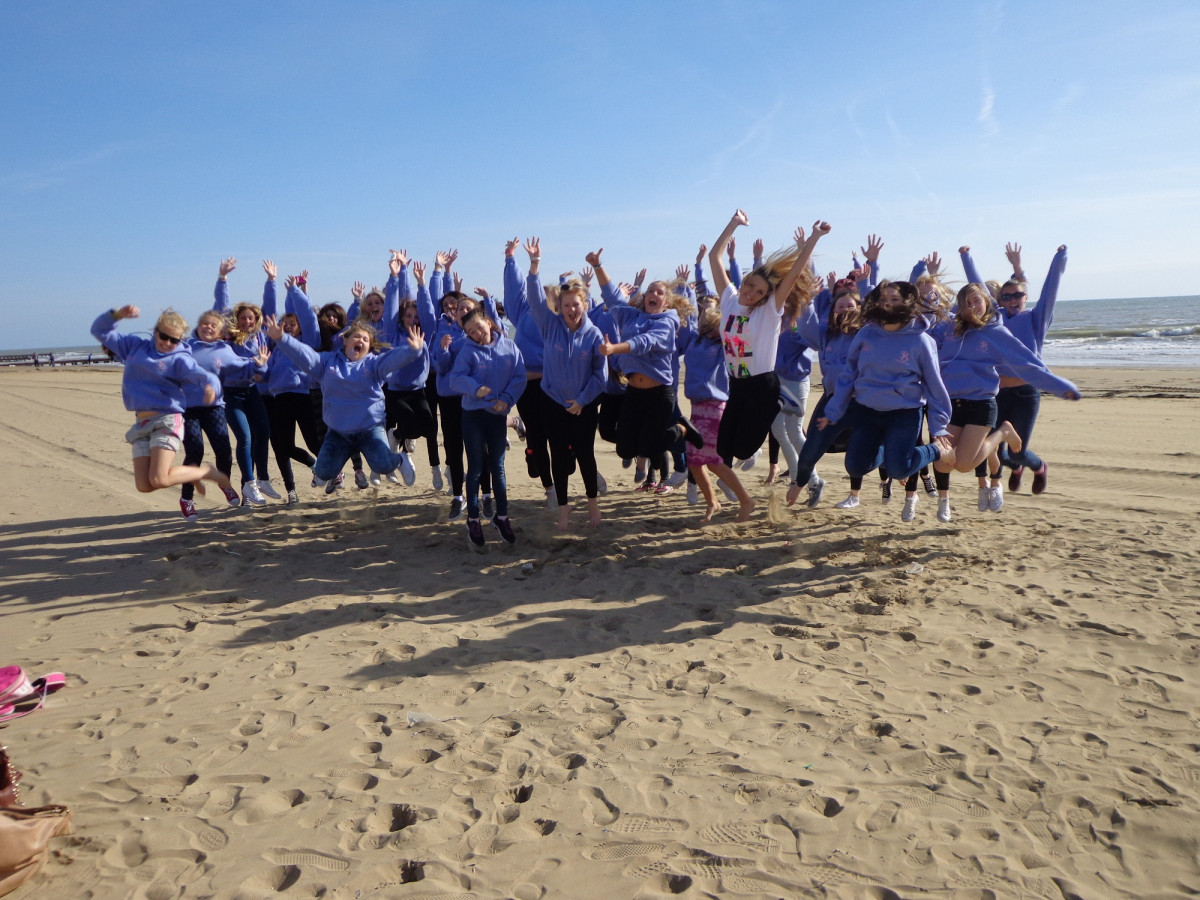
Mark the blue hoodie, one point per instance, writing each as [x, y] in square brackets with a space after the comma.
[219, 358]
[573, 370]
[833, 348]
[704, 374]
[516, 305]
[969, 362]
[284, 376]
[497, 365]
[250, 348]
[152, 380]
[352, 391]
[889, 370]
[651, 338]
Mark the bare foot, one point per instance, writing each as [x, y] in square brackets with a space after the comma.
[792, 493]
[772, 474]
[745, 508]
[710, 512]
[564, 513]
[593, 512]
[1015, 444]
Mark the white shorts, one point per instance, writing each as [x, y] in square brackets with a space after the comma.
[165, 431]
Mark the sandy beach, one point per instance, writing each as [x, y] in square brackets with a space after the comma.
[341, 700]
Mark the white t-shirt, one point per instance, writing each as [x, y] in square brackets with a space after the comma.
[750, 336]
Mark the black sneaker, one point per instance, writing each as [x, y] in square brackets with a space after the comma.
[487, 506]
[504, 526]
[930, 487]
[690, 434]
[474, 534]
[334, 483]
[886, 487]
[456, 509]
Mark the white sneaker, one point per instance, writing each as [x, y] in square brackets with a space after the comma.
[816, 490]
[393, 444]
[728, 491]
[318, 482]
[374, 479]
[748, 464]
[676, 478]
[252, 496]
[910, 509]
[551, 499]
[693, 494]
[943, 509]
[996, 498]
[849, 503]
[410, 446]
[436, 473]
[268, 489]
[985, 498]
[407, 472]
[393, 478]
[601, 485]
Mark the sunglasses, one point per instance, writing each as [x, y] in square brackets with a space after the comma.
[166, 337]
[1018, 295]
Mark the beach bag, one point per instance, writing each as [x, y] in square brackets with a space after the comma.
[25, 832]
[19, 696]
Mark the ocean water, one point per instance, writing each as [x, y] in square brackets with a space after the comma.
[1141, 332]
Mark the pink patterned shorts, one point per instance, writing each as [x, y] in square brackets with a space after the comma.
[706, 416]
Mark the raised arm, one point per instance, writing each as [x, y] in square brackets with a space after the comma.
[1043, 313]
[806, 245]
[720, 279]
[221, 291]
[296, 302]
[972, 273]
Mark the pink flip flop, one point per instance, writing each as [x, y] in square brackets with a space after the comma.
[19, 696]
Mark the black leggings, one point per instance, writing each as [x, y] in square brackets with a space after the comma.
[197, 422]
[286, 411]
[409, 413]
[431, 439]
[647, 423]
[452, 441]
[752, 406]
[572, 439]
[531, 406]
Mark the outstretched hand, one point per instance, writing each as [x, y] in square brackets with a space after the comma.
[227, 266]
[419, 272]
[739, 218]
[273, 328]
[357, 291]
[593, 258]
[533, 247]
[933, 263]
[700, 253]
[415, 338]
[269, 268]
[510, 246]
[127, 312]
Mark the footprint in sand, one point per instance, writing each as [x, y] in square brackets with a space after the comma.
[654, 792]
[597, 810]
[267, 806]
[205, 837]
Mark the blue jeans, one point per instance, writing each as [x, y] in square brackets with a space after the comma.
[482, 430]
[339, 445]
[817, 442]
[886, 437]
[247, 417]
[1019, 406]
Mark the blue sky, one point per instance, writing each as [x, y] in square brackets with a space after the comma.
[144, 141]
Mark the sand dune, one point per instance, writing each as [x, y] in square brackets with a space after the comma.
[341, 700]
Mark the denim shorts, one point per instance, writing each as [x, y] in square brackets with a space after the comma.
[164, 431]
[973, 412]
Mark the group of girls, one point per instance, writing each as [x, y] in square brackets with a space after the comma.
[371, 381]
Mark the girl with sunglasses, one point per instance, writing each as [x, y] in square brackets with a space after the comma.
[157, 371]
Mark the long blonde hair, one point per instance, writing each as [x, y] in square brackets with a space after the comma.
[236, 335]
[773, 270]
